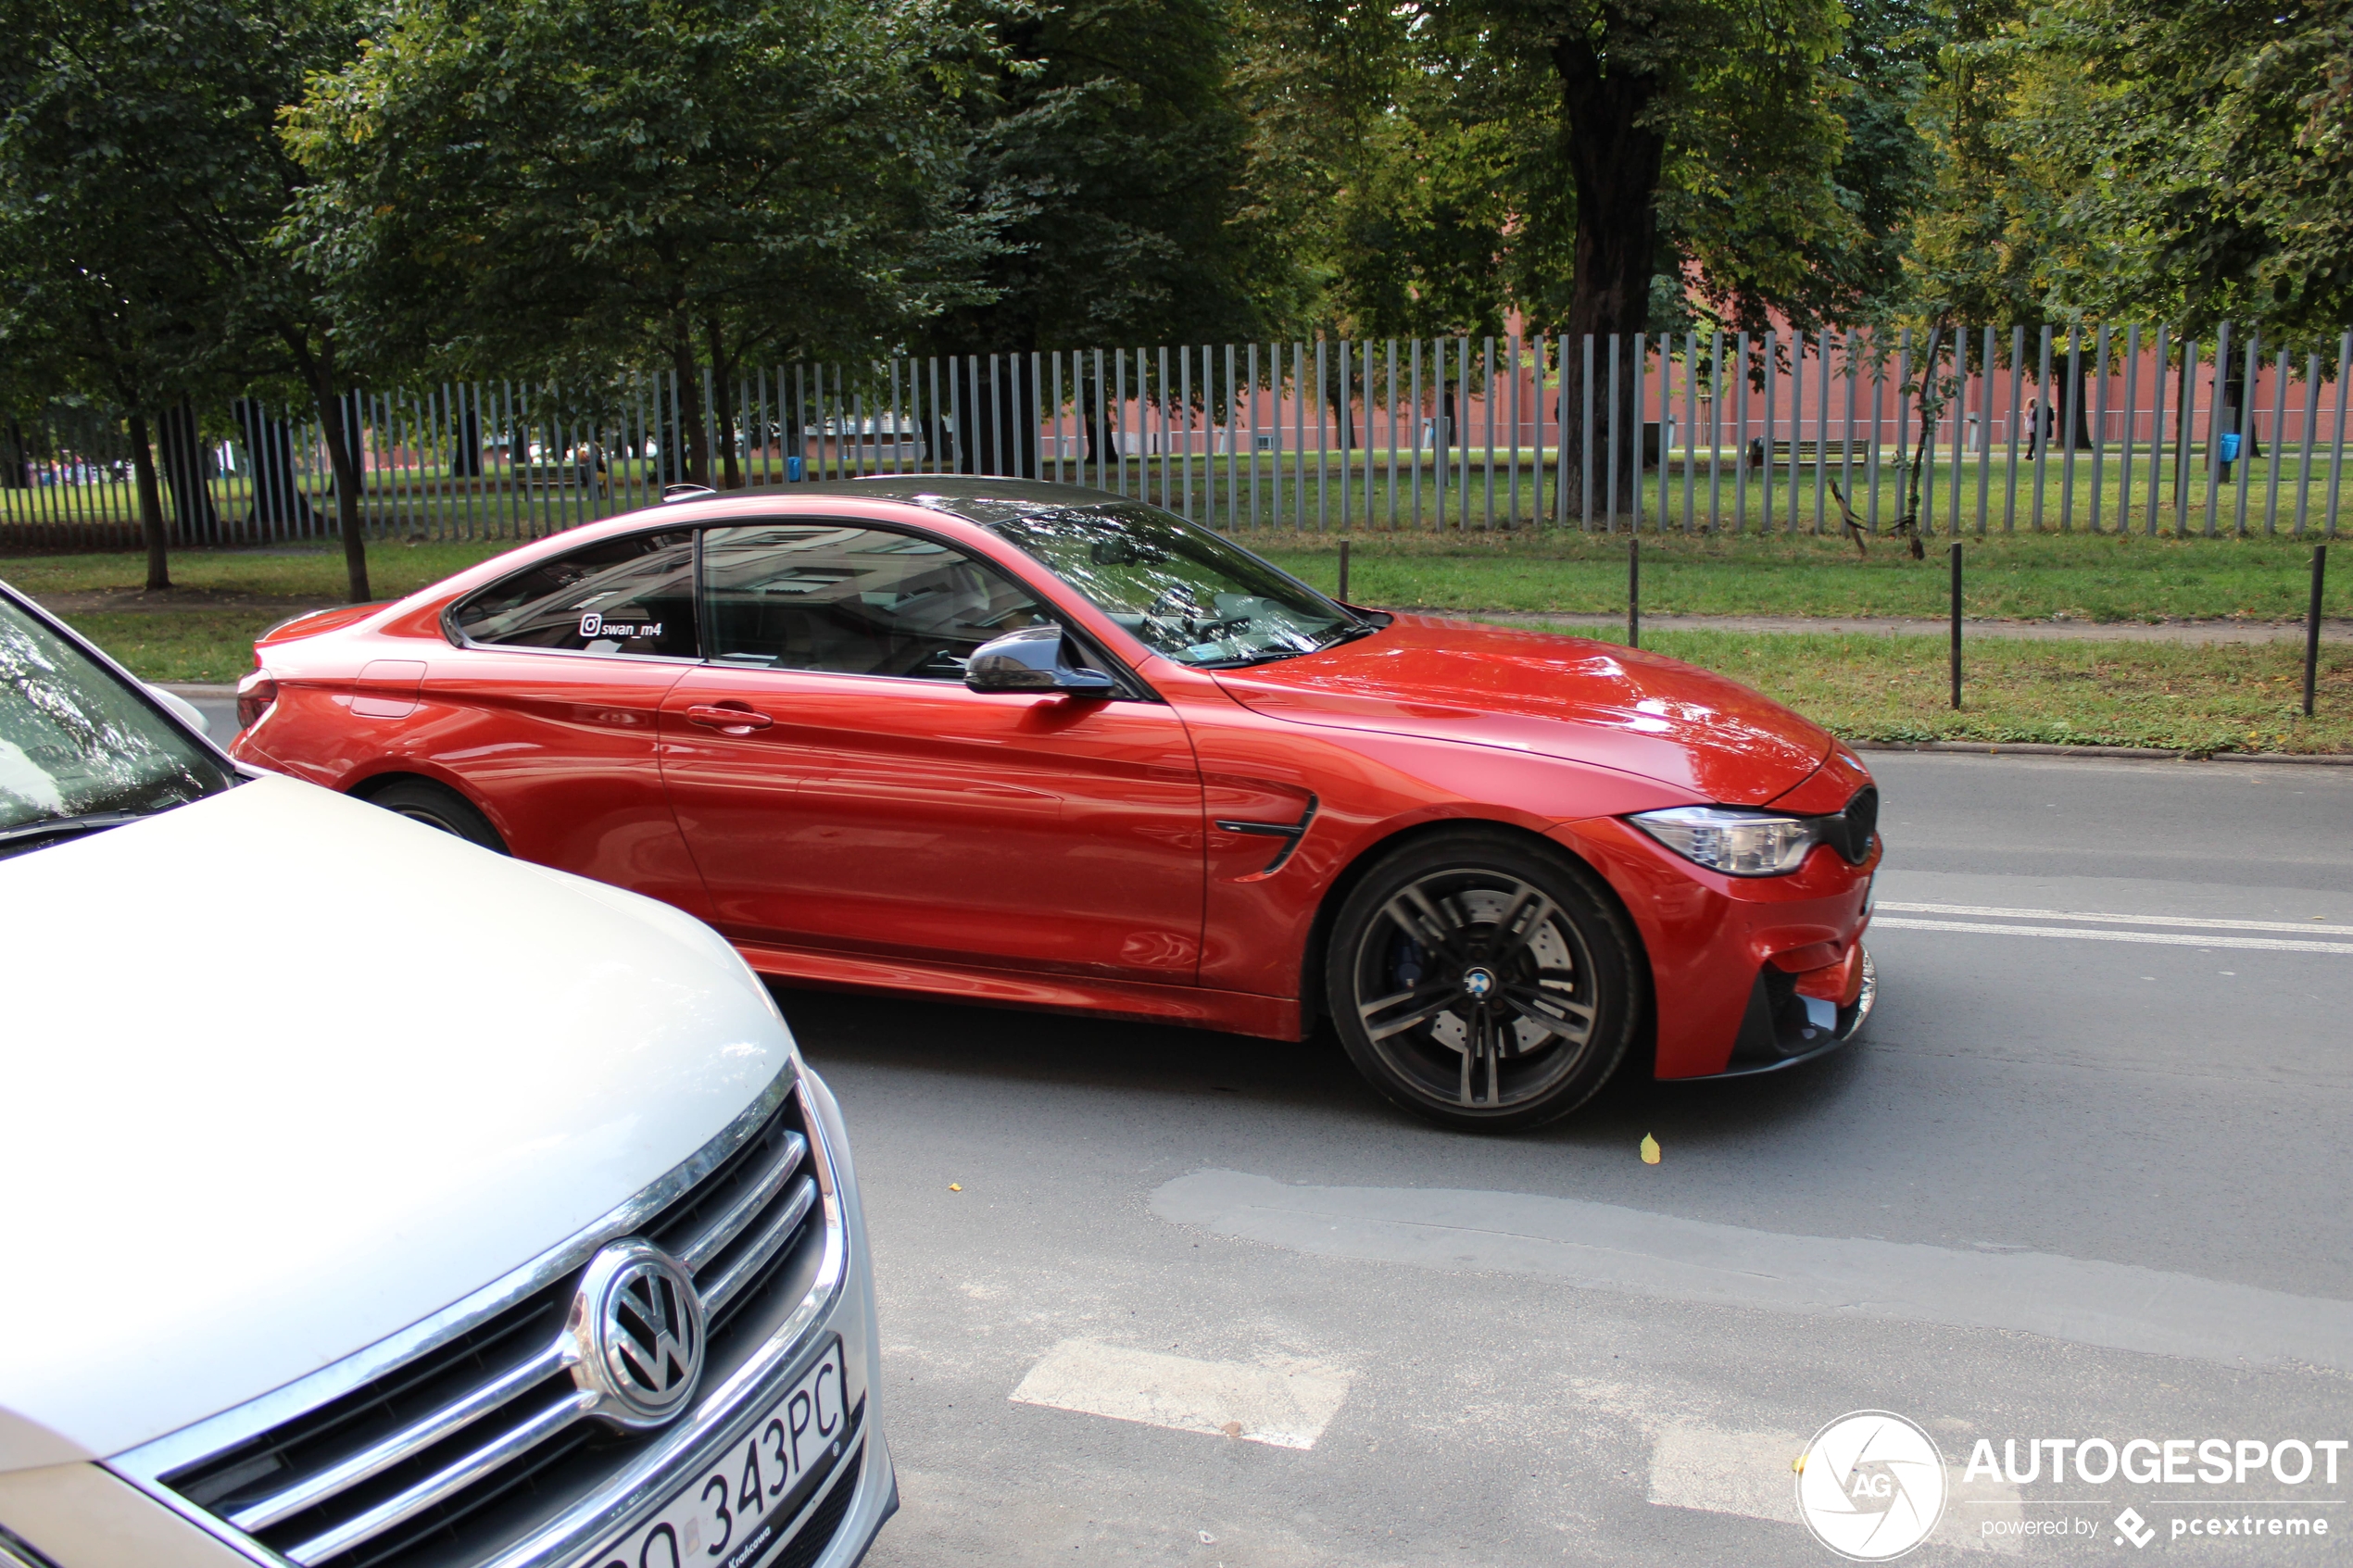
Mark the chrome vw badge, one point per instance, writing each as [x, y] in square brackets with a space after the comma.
[636, 1328]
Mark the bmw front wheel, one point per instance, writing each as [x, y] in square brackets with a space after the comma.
[1483, 981]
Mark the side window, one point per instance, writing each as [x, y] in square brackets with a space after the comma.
[630, 595]
[853, 601]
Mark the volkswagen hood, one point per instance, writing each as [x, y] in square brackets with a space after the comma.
[286, 1073]
[1571, 698]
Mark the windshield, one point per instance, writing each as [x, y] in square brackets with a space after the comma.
[76, 743]
[1183, 591]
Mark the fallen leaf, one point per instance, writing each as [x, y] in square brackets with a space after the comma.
[1231, 1429]
[953, 1187]
[1650, 1149]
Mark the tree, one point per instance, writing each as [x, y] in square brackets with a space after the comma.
[151, 127]
[96, 308]
[1107, 138]
[2202, 158]
[586, 184]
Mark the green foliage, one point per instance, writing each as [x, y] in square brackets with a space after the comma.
[1104, 140]
[557, 181]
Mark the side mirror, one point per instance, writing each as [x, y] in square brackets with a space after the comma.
[1031, 660]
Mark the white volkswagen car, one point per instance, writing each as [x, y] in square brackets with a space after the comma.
[372, 1199]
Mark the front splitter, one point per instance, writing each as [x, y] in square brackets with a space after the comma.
[1864, 998]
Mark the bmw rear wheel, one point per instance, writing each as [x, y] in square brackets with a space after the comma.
[420, 800]
[1483, 981]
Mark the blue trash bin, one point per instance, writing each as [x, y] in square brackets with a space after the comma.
[793, 470]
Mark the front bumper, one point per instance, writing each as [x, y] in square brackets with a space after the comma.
[844, 1512]
[1733, 960]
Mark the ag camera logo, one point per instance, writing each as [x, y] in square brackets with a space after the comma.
[1871, 1485]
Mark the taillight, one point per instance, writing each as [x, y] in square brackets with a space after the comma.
[254, 694]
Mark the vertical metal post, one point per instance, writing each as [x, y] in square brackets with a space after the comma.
[1185, 404]
[2072, 413]
[2131, 428]
[2184, 423]
[1960, 436]
[2304, 457]
[2017, 382]
[1462, 406]
[2313, 623]
[1486, 416]
[1323, 440]
[1342, 596]
[1511, 345]
[1298, 434]
[1634, 436]
[1665, 427]
[1796, 427]
[2279, 435]
[1615, 435]
[1416, 423]
[1715, 428]
[1585, 466]
[2215, 406]
[2246, 431]
[1560, 433]
[2099, 425]
[1740, 436]
[1253, 366]
[1389, 404]
[2156, 428]
[1691, 420]
[1956, 623]
[2337, 445]
[1765, 448]
[1634, 591]
[1846, 437]
[2039, 440]
[1879, 403]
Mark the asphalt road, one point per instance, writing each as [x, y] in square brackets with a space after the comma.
[1203, 1300]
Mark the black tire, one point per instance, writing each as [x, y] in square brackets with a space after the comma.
[423, 801]
[1483, 980]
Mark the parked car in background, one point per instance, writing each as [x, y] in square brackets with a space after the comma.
[379, 1201]
[1042, 746]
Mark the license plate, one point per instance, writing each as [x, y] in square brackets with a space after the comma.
[737, 1509]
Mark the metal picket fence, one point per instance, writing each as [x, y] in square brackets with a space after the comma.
[2091, 429]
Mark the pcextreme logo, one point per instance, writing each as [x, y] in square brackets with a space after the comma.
[1871, 1485]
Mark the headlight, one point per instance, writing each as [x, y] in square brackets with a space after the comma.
[1736, 843]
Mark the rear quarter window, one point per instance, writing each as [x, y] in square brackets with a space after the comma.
[634, 595]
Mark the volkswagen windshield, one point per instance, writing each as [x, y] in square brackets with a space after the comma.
[81, 748]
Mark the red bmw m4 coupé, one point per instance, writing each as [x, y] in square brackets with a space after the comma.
[1041, 746]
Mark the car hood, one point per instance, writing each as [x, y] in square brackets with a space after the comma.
[285, 1073]
[1571, 698]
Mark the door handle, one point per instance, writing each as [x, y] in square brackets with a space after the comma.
[727, 719]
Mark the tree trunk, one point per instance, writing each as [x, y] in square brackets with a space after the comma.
[337, 416]
[465, 457]
[1616, 160]
[687, 408]
[16, 470]
[722, 373]
[143, 465]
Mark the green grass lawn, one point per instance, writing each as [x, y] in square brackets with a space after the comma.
[2025, 577]
[1865, 687]
[1870, 687]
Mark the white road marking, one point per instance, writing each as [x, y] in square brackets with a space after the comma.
[1285, 1406]
[2154, 938]
[1981, 911]
[1749, 1474]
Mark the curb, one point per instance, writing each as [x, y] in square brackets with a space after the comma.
[2127, 752]
[207, 694]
